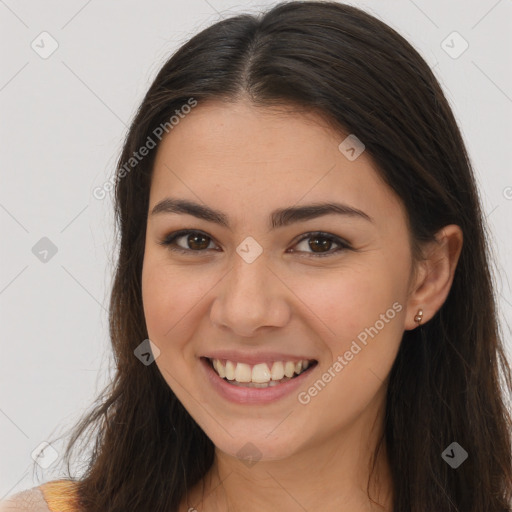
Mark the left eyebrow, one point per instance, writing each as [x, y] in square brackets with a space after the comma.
[279, 218]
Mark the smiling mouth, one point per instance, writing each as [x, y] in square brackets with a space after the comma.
[260, 375]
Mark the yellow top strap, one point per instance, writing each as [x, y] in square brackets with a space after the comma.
[60, 495]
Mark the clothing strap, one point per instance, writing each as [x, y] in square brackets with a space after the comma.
[60, 495]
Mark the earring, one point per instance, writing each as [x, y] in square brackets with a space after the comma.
[419, 316]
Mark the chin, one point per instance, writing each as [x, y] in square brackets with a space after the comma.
[254, 446]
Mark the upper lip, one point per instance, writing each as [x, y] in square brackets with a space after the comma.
[255, 357]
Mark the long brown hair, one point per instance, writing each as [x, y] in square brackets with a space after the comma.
[450, 380]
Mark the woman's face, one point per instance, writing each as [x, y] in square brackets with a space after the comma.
[261, 289]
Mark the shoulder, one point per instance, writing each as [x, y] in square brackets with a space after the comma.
[54, 496]
[31, 500]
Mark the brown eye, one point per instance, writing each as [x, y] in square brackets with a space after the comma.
[320, 244]
[196, 241]
[193, 241]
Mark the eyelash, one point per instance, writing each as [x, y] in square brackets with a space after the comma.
[169, 240]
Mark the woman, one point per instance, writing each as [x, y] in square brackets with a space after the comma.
[302, 242]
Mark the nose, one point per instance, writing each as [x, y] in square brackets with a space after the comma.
[251, 298]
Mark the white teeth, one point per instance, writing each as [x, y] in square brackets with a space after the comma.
[289, 369]
[261, 375]
[219, 368]
[243, 372]
[277, 371]
[230, 370]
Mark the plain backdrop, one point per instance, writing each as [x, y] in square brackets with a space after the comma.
[63, 120]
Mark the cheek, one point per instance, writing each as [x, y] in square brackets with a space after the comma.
[361, 317]
[168, 296]
[348, 301]
[166, 302]
[156, 299]
[360, 314]
[175, 301]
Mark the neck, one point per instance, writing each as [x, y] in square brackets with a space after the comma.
[331, 474]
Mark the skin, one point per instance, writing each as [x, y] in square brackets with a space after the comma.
[247, 161]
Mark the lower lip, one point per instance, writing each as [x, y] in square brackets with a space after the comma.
[243, 395]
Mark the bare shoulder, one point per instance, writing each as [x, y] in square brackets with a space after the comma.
[31, 500]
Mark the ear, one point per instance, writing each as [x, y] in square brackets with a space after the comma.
[434, 275]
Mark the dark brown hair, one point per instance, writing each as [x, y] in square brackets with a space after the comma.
[450, 379]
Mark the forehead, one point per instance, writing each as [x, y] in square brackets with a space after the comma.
[241, 154]
[233, 131]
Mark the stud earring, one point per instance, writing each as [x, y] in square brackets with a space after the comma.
[419, 316]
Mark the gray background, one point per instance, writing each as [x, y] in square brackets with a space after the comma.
[63, 120]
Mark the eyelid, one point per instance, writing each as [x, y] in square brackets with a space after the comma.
[343, 244]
